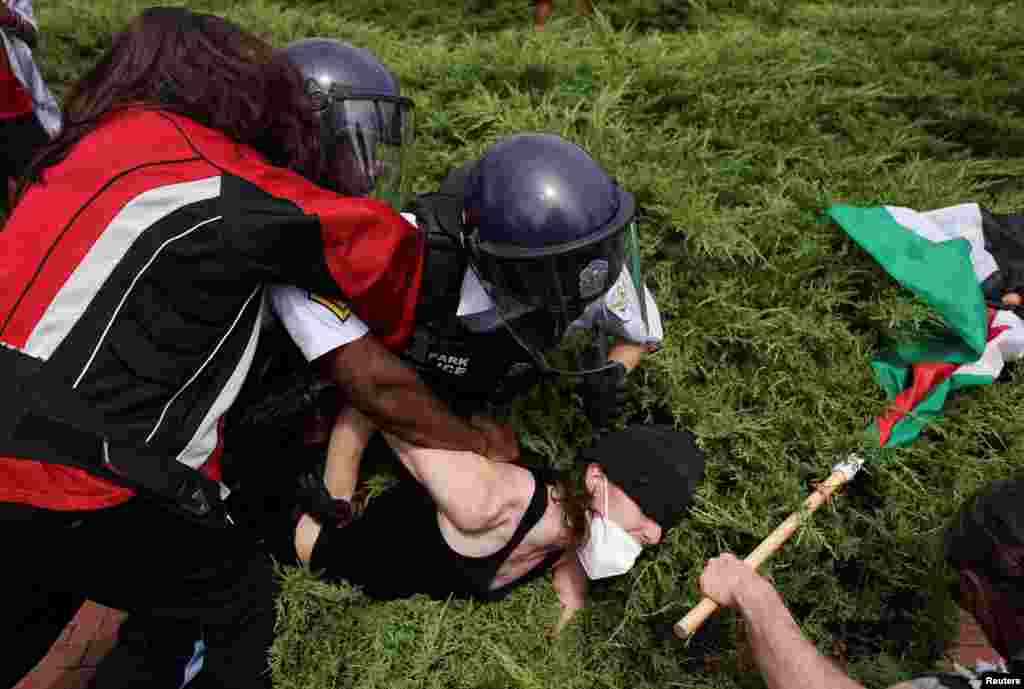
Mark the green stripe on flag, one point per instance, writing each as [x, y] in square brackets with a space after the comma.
[940, 273]
[892, 366]
[928, 409]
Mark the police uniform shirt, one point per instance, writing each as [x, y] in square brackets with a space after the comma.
[317, 324]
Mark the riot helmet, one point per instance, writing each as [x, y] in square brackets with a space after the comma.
[366, 124]
[547, 228]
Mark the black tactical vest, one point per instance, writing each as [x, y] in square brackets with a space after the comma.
[465, 369]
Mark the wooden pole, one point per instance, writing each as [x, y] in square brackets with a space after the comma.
[841, 473]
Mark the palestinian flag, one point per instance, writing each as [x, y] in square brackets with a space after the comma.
[960, 260]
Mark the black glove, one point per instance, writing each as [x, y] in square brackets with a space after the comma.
[604, 393]
[318, 503]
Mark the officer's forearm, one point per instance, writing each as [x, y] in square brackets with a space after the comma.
[391, 394]
[410, 411]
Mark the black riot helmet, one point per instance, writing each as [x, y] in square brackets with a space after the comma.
[366, 125]
[547, 227]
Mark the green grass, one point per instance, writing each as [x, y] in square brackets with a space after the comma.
[735, 122]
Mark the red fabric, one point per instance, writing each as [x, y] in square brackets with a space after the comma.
[45, 215]
[925, 376]
[212, 469]
[382, 273]
[15, 100]
[43, 219]
[375, 256]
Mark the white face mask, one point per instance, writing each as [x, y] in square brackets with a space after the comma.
[609, 550]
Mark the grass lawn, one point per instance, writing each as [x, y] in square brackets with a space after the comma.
[735, 122]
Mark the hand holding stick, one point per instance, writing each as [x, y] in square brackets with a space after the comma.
[841, 473]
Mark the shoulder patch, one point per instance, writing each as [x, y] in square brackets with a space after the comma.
[340, 309]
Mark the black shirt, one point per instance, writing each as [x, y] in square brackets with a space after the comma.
[395, 549]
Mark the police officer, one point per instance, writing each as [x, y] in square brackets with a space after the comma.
[526, 245]
[366, 125]
[530, 243]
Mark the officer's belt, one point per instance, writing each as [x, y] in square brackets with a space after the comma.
[45, 420]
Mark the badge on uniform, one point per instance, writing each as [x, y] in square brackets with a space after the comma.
[340, 309]
[593, 278]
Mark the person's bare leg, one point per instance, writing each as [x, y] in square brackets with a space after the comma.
[541, 12]
[306, 533]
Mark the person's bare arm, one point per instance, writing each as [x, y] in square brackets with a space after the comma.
[786, 659]
[392, 395]
[570, 583]
[474, 494]
[349, 436]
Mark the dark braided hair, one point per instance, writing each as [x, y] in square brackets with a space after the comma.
[205, 68]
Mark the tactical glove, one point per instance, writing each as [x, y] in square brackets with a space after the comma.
[318, 503]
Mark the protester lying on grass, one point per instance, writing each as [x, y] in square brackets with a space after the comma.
[985, 542]
[462, 525]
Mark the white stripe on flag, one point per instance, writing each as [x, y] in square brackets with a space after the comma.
[954, 222]
[990, 365]
[1000, 350]
[106, 253]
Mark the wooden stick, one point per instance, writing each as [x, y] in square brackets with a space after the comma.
[841, 473]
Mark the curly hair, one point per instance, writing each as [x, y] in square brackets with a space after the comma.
[205, 68]
[572, 494]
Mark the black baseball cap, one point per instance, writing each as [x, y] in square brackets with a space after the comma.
[657, 466]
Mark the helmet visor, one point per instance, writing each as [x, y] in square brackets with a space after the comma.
[372, 137]
[563, 284]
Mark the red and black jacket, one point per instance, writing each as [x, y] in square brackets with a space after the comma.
[135, 271]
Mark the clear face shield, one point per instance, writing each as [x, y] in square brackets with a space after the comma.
[596, 291]
[371, 138]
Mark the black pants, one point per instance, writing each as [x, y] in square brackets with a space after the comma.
[139, 558]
